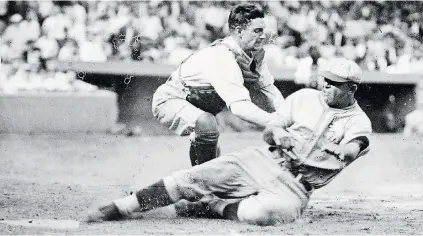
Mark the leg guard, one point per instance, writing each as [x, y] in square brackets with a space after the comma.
[205, 138]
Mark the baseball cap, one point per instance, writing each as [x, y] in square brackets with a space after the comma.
[342, 70]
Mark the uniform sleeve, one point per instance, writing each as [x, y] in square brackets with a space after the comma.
[266, 79]
[225, 76]
[357, 126]
[268, 88]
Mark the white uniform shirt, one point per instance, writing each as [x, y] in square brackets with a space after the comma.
[307, 116]
[313, 124]
[217, 67]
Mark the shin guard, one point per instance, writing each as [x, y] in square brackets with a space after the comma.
[204, 140]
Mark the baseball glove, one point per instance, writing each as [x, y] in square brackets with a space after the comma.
[206, 99]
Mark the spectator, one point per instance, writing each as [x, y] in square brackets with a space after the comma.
[126, 38]
[180, 26]
[94, 49]
[413, 122]
[69, 51]
[6, 52]
[56, 25]
[5, 73]
[390, 49]
[36, 78]
[374, 35]
[404, 61]
[19, 79]
[304, 67]
[178, 51]
[3, 16]
[389, 119]
[414, 119]
[327, 50]
[79, 14]
[13, 29]
[349, 50]
[48, 46]
[33, 57]
[45, 8]
[120, 17]
[77, 29]
[274, 54]
[3, 12]
[124, 53]
[361, 50]
[31, 26]
[214, 18]
[198, 41]
[150, 25]
[298, 20]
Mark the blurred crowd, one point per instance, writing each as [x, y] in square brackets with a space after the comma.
[379, 35]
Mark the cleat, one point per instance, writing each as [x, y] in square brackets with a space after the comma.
[104, 213]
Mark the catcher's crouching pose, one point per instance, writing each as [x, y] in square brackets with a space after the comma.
[228, 73]
[317, 135]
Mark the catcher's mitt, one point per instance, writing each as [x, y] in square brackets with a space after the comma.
[206, 99]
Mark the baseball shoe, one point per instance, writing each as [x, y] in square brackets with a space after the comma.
[104, 213]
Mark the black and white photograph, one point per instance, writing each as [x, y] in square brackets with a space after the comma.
[159, 117]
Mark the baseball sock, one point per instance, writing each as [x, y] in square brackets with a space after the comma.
[154, 196]
[200, 152]
[231, 211]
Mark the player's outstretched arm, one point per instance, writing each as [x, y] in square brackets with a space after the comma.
[349, 151]
[268, 88]
[247, 111]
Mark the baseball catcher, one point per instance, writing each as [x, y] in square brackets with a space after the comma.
[231, 73]
[316, 136]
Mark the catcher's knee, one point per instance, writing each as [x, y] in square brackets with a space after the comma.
[206, 129]
[156, 100]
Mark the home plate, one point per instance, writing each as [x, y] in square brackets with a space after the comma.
[43, 223]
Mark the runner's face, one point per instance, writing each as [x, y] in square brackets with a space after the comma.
[335, 93]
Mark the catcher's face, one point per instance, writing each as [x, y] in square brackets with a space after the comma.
[338, 94]
[253, 36]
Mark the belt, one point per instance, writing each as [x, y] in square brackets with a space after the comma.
[298, 176]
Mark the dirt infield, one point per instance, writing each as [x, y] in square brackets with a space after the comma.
[60, 176]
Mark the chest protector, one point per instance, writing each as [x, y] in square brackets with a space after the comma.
[205, 97]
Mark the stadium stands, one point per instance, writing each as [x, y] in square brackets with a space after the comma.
[148, 38]
[380, 35]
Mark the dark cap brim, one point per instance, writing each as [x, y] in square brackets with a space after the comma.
[332, 76]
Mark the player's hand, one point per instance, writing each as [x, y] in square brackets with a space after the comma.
[334, 149]
[278, 136]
